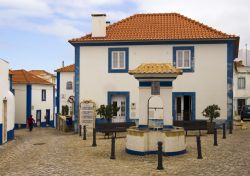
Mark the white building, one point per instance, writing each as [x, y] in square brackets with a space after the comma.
[103, 59]
[241, 86]
[65, 86]
[7, 104]
[34, 96]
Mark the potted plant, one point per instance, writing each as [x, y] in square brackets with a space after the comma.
[211, 112]
[107, 112]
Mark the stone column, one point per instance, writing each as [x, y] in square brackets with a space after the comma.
[166, 95]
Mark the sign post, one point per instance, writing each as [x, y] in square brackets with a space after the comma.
[87, 113]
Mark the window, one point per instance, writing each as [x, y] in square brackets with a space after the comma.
[183, 58]
[43, 95]
[241, 83]
[69, 85]
[118, 60]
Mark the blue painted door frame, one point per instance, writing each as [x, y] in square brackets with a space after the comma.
[122, 93]
[193, 102]
[38, 111]
[47, 116]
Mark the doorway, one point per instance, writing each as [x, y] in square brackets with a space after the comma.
[240, 104]
[38, 118]
[119, 101]
[183, 109]
[4, 121]
[47, 116]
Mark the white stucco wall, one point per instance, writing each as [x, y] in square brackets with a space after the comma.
[208, 81]
[5, 94]
[64, 93]
[4, 82]
[241, 93]
[38, 104]
[20, 103]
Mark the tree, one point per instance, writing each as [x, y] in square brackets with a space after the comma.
[211, 112]
[107, 111]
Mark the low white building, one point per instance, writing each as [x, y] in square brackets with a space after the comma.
[205, 55]
[241, 86]
[65, 87]
[34, 96]
[7, 104]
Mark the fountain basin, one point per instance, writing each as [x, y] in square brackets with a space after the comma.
[144, 141]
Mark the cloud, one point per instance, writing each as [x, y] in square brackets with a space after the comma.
[61, 18]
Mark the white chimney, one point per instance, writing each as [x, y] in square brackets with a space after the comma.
[98, 25]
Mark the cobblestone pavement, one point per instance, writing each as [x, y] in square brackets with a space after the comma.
[49, 152]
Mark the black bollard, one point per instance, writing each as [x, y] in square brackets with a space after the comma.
[84, 133]
[112, 148]
[224, 131]
[80, 130]
[198, 141]
[94, 138]
[231, 127]
[160, 166]
[215, 137]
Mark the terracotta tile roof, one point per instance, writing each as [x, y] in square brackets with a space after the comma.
[69, 68]
[155, 68]
[157, 26]
[25, 77]
[40, 72]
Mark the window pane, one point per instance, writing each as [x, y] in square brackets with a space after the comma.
[115, 60]
[123, 108]
[179, 59]
[241, 83]
[122, 59]
[187, 58]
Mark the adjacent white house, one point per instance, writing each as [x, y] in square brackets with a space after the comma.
[65, 87]
[7, 104]
[241, 86]
[34, 96]
[204, 54]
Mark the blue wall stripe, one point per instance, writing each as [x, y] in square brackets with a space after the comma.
[58, 93]
[124, 93]
[193, 99]
[140, 153]
[28, 100]
[10, 83]
[10, 135]
[77, 86]
[1, 133]
[162, 84]
[165, 42]
[230, 58]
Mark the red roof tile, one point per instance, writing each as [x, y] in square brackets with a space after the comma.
[25, 77]
[69, 68]
[157, 26]
[40, 72]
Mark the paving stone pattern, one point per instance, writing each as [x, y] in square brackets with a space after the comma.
[46, 151]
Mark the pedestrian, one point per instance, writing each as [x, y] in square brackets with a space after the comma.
[30, 122]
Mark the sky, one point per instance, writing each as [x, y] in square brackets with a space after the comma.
[34, 34]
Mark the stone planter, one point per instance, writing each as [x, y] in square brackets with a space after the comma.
[210, 127]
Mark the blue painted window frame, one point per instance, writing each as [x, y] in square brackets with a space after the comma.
[191, 48]
[110, 70]
[238, 81]
[127, 96]
[193, 99]
[44, 92]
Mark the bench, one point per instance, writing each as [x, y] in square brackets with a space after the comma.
[192, 125]
[117, 127]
